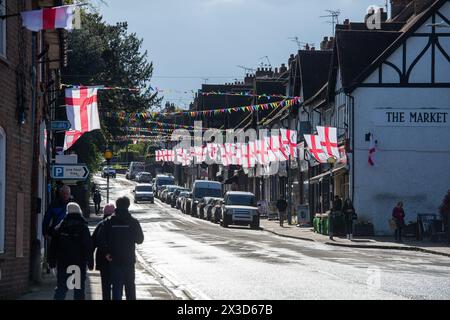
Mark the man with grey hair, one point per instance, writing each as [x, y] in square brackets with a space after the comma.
[56, 212]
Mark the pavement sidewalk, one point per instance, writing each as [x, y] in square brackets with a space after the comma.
[148, 285]
[385, 243]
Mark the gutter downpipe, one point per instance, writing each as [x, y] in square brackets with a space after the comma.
[352, 143]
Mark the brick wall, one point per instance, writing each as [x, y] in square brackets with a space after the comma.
[15, 271]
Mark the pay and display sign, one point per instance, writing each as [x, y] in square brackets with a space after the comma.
[70, 172]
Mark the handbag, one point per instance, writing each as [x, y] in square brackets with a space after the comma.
[355, 216]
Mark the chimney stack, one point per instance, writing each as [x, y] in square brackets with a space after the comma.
[398, 6]
[283, 68]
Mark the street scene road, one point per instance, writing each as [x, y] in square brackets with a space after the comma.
[205, 261]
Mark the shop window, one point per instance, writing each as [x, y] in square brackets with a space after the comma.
[3, 28]
[2, 188]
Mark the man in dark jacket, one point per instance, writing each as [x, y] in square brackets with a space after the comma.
[70, 253]
[282, 207]
[119, 237]
[56, 211]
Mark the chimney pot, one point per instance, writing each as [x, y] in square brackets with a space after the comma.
[347, 21]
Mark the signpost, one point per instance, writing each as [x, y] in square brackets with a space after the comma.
[69, 172]
[108, 155]
[61, 126]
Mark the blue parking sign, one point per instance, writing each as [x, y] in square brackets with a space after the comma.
[58, 172]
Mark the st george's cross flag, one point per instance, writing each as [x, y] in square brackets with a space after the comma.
[289, 142]
[82, 112]
[51, 18]
[329, 142]
[315, 149]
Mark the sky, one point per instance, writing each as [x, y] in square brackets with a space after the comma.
[192, 42]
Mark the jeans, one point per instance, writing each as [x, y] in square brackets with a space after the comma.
[289, 217]
[349, 227]
[282, 217]
[123, 276]
[105, 274]
[398, 231]
[97, 208]
[61, 288]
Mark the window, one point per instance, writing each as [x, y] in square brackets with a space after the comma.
[2, 188]
[2, 28]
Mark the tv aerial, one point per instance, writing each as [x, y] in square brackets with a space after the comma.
[334, 15]
[268, 62]
[301, 45]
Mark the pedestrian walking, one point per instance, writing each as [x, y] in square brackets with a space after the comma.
[118, 238]
[282, 207]
[56, 212]
[71, 253]
[398, 214]
[101, 264]
[349, 216]
[335, 211]
[97, 201]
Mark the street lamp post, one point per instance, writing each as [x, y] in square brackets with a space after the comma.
[108, 155]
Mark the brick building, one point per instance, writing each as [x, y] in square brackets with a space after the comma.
[29, 68]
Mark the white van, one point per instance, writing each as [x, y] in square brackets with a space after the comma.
[202, 189]
[134, 169]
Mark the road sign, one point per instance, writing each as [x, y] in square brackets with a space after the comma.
[61, 125]
[70, 172]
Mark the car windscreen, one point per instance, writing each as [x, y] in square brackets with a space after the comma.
[206, 192]
[165, 182]
[241, 200]
[144, 189]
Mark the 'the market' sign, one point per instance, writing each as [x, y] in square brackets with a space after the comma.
[411, 117]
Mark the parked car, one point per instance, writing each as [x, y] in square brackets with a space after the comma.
[144, 177]
[204, 188]
[170, 191]
[144, 192]
[201, 208]
[138, 175]
[181, 198]
[134, 169]
[108, 172]
[165, 193]
[239, 208]
[210, 203]
[216, 211]
[162, 181]
[175, 196]
[187, 204]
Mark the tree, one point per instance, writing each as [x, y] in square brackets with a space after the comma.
[103, 54]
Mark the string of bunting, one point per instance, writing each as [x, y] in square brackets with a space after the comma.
[148, 115]
[99, 87]
[247, 94]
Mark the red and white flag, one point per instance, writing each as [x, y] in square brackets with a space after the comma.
[262, 154]
[70, 139]
[248, 155]
[50, 18]
[289, 142]
[329, 141]
[82, 111]
[372, 150]
[315, 149]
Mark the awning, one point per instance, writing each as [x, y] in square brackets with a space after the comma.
[320, 177]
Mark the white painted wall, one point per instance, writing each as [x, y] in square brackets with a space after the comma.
[412, 163]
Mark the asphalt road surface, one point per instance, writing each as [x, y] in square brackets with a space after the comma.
[199, 260]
